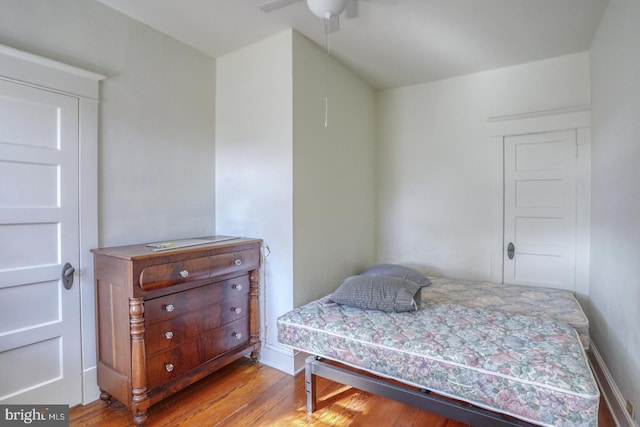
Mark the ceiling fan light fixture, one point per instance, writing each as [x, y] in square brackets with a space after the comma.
[321, 8]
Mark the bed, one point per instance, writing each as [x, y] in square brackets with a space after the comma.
[514, 369]
[556, 304]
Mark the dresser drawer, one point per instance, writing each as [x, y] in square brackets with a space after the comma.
[235, 261]
[181, 303]
[173, 273]
[164, 366]
[161, 336]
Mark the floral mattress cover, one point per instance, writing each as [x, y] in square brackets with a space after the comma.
[532, 368]
[556, 304]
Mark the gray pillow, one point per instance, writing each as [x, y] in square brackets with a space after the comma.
[378, 293]
[395, 270]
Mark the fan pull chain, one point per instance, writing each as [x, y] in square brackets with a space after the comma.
[326, 111]
[327, 18]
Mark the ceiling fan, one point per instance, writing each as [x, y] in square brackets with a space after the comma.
[327, 10]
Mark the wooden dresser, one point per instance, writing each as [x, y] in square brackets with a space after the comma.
[167, 318]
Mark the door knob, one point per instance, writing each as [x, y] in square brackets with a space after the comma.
[67, 275]
[511, 250]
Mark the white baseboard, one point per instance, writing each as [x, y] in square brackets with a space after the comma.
[278, 357]
[610, 391]
[90, 390]
[283, 359]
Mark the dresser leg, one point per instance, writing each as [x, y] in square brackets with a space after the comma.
[139, 417]
[139, 398]
[105, 397]
[255, 356]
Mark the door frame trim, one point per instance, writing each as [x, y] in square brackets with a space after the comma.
[32, 70]
[573, 118]
[88, 157]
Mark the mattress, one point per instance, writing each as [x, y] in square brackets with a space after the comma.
[556, 304]
[532, 368]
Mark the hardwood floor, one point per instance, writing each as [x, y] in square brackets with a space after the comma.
[248, 394]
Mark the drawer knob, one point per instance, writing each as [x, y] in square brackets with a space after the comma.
[236, 310]
[237, 262]
[168, 335]
[237, 335]
[169, 367]
[237, 286]
[168, 307]
[184, 274]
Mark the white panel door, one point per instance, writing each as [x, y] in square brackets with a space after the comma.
[40, 351]
[540, 209]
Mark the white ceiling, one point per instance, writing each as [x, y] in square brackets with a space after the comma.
[390, 43]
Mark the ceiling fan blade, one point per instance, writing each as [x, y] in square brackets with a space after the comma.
[352, 9]
[275, 4]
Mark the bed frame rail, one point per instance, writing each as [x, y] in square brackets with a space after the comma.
[478, 417]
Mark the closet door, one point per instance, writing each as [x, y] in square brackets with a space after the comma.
[540, 209]
[40, 337]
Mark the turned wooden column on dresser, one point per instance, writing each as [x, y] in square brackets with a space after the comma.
[167, 317]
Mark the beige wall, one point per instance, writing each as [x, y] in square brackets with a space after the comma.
[156, 124]
[308, 191]
[254, 171]
[438, 166]
[333, 166]
[615, 226]
[156, 114]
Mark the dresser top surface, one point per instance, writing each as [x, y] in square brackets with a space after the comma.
[170, 247]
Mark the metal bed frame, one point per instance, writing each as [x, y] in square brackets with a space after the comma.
[423, 399]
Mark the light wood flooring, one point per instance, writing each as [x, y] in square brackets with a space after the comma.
[248, 394]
